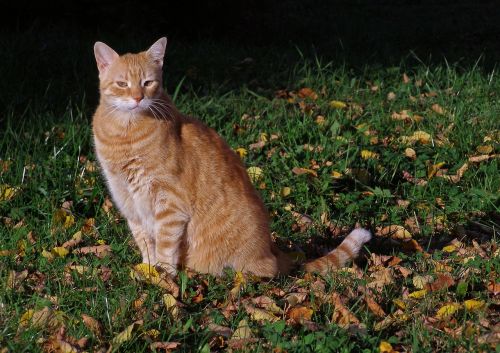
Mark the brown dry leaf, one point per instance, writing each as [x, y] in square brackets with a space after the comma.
[16, 278]
[374, 306]
[74, 241]
[92, 324]
[482, 158]
[406, 79]
[300, 171]
[484, 149]
[267, 303]
[381, 278]
[167, 346]
[417, 181]
[171, 305]
[395, 232]
[438, 109]
[391, 96]
[341, 315]
[397, 317]
[107, 205]
[257, 145]
[299, 313]
[494, 288]
[100, 251]
[444, 280]
[307, 92]
[410, 153]
[296, 298]
[456, 177]
[260, 315]
[434, 168]
[421, 281]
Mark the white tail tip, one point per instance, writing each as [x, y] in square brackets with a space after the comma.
[361, 235]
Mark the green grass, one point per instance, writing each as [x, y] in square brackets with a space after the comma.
[47, 159]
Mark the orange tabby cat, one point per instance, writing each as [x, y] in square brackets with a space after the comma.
[185, 194]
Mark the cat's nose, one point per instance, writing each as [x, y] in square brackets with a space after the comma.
[138, 99]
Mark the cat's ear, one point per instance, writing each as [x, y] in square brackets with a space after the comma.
[104, 55]
[157, 50]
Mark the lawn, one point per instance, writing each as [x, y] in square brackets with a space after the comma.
[409, 150]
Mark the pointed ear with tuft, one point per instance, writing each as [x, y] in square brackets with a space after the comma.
[104, 56]
[157, 50]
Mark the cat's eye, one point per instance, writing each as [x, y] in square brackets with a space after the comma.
[148, 83]
[122, 84]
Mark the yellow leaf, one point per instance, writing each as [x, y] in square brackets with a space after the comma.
[336, 175]
[365, 154]
[418, 294]
[255, 173]
[486, 149]
[395, 232]
[26, 317]
[153, 333]
[286, 191]
[433, 169]
[260, 315]
[171, 304]
[473, 304]
[385, 347]
[125, 335]
[48, 255]
[60, 251]
[447, 310]
[243, 331]
[337, 104]
[7, 192]
[450, 248]
[399, 303]
[144, 271]
[242, 152]
[263, 137]
[422, 137]
[101, 241]
[69, 221]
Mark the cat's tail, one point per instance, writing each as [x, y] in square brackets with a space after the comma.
[346, 251]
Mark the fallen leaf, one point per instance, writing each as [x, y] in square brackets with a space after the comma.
[406, 79]
[16, 278]
[307, 92]
[74, 241]
[365, 154]
[267, 303]
[410, 153]
[124, 336]
[240, 151]
[300, 171]
[257, 145]
[374, 306]
[385, 347]
[443, 281]
[399, 303]
[296, 298]
[336, 175]
[7, 192]
[447, 310]
[148, 274]
[255, 173]
[100, 251]
[418, 294]
[92, 324]
[337, 104]
[485, 149]
[437, 109]
[481, 158]
[341, 315]
[473, 304]
[395, 232]
[433, 169]
[299, 313]
[171, 305]
[242, 331]
[456, 177]
[391, 96]
[421, 281]
[286, 191]
[260, 315]
[60, 251]
[494, 288]
[167, 346]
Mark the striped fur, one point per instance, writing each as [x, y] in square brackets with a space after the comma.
[185, 194]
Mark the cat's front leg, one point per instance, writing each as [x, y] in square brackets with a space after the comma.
[145, 241]
[170, 228]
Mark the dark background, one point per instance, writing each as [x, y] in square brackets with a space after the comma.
[47, 46]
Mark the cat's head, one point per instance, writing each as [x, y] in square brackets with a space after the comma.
[130, 82]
